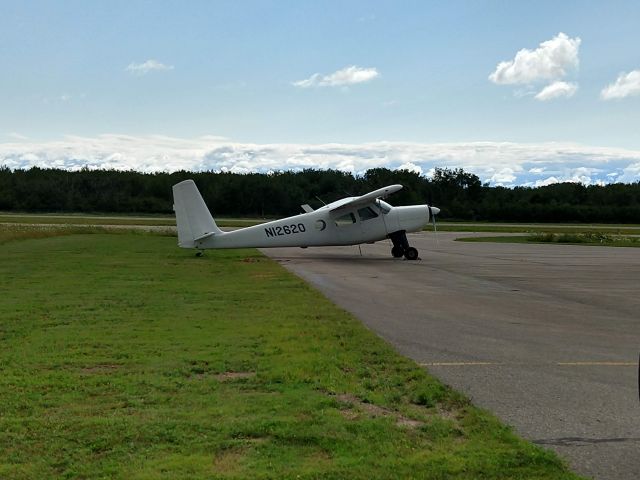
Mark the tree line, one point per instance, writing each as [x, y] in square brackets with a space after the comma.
[459, 194]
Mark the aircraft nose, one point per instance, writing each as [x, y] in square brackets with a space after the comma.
[435, 210]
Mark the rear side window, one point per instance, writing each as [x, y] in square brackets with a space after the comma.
[346, 220]
[367, 213]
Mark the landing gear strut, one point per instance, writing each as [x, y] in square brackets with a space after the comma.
[401, 246]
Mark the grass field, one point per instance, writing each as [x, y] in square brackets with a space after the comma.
[123, 356]
[598, 239]
[169, 220]
[106, 220]
[537, 228]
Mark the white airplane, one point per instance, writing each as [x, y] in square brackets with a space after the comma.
[350, 221]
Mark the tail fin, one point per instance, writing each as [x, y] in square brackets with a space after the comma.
[192, 215]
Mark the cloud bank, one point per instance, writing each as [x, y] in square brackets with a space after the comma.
[500, 163]
[341, 78]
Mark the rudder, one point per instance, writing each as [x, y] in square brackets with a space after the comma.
[192, 215]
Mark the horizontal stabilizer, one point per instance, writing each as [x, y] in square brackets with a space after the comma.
[202, 237]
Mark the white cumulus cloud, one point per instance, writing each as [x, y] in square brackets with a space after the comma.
[412, 167]
[344, 77]
[146, 67]
[631, 173]
[556, 90]
[550, 61]
[506, 176]
[546, 181]
[626, 85]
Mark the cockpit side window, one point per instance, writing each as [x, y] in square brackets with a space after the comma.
[367, 213]
[346, 220]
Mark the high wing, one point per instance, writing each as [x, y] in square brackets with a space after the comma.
[364, 199]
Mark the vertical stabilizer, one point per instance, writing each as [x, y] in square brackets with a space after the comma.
[192, 215]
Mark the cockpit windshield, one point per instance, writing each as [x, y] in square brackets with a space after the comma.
[383, 206]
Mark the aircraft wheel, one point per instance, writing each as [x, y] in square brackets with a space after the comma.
[199, 253]
[411, 253]
[397, 251]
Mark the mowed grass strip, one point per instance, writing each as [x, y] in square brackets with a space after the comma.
[107, 220]
[122, 356]
[534, 228]
[597, 239]
[169, 221]
[79, 219]
[13, 232]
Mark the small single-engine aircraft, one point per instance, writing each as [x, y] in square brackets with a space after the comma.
[350, 221]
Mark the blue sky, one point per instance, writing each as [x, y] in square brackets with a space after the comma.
[267, 85]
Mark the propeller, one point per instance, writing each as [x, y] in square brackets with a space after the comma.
[433, 211]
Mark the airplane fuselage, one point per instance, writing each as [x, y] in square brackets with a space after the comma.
[323, 227]
[349, 221]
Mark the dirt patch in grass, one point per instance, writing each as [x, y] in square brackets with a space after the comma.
[454, 416]
[227, 376]
[408, 423]
[350, 413]
[229, 461]
[263, 276]
[373, 411]
[101, 368]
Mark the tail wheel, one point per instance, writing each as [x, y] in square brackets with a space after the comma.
[411, 253]
[397, 251]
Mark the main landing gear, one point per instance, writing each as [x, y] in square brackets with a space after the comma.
[401, 246]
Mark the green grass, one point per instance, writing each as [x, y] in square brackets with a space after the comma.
[587, 238]
[169, 220]
[122, 356]
[12, 232]
[81, 219]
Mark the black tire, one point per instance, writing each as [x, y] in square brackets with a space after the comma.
[411, 253]
[397, 251]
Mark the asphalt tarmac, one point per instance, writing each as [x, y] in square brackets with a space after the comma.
[545, 336]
